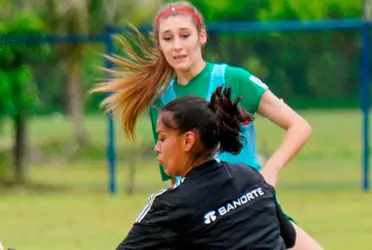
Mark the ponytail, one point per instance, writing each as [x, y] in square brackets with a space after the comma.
[230, 118]
[140, 78]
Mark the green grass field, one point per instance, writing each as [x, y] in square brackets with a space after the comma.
[67, 205]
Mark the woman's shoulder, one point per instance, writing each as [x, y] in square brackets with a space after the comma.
[235, 73]
[244, 172]
[229, 68]
[240, 73]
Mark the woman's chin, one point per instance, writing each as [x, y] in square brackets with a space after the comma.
[170, 173]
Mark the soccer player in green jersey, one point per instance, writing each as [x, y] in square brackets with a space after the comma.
[175, 67]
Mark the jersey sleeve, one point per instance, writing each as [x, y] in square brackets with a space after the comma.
[154, 114]
[157, 226]
[246, 85]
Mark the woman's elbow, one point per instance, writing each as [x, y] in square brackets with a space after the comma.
[305, 129]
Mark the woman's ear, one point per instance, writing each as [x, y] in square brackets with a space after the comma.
[203, 37]
[189, 139]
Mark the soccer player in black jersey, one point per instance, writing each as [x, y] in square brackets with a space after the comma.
[216, 205]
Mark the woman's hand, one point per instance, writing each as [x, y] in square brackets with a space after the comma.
[270, 175]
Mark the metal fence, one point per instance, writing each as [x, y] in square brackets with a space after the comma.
[294, 64]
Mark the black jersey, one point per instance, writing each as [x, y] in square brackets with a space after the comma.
[216, 206]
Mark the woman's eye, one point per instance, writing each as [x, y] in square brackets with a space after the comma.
[167, 39]
[185, 36]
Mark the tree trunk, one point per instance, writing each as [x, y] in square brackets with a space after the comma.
[20, 148]
[367, 9]
[75, 106]
[22, 4]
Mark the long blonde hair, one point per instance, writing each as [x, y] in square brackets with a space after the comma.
[139, 77]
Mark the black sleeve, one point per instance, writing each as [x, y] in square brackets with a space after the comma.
[287, 230]
[155, 227]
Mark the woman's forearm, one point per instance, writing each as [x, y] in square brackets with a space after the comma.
[295, 138]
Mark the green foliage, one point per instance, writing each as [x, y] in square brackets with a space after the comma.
[15, 54]
[17, 88]
[307, 68]
[20, 89]
[311, 10]
[224, 11]
[296, 65]
[274, 10]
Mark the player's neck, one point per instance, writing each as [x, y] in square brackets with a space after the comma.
[198, 162]
[184, 77]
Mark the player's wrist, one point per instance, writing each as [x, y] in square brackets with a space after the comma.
[273, 165]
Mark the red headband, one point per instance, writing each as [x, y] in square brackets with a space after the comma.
[165, 12]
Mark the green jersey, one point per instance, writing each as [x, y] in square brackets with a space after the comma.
[241, 81]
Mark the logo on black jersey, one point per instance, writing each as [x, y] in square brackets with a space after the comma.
[243, 200]
[210, 217]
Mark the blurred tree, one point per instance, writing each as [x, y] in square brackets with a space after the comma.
[22, 4]
[306, 58]
[70, 17]
[77, 17]
[18, 95]
[367, 10]
[6, 10]
[295, 64]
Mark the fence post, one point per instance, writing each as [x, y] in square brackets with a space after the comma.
[365, 102]
[111, 155]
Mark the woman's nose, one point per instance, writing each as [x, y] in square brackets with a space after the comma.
[157, 147]
[177, 45]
